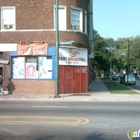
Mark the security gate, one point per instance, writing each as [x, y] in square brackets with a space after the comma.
[73, 79]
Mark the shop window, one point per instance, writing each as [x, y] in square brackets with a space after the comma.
[32, 67]
[76, 19]
[7, 18]
[18, 70]
[45, 67]
[62, 17]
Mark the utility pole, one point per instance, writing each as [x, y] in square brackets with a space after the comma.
[128, 62]
[111, 49]
[57, 50]
[110, 63]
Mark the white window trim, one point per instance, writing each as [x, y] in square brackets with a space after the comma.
[81, 17]
[61, 6]
[2, 18]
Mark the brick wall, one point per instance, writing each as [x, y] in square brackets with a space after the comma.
[32, 17]
[32, 87]
[48, 36]
[39, 14]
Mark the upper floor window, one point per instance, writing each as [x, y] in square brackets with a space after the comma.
[7, 18]
[76, 19]
[62, 17]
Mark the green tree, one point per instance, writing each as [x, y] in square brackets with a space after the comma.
[102, 55]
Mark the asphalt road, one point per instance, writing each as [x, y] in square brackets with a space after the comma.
[37, 120]
[137, 86]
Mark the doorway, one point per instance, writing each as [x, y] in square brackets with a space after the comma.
[73, 79]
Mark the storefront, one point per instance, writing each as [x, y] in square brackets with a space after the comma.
[33, 69]
[73, 70]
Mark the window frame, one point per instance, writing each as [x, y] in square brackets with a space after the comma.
[65, 25]
[26, 64]
[2, 25]
[80, 17]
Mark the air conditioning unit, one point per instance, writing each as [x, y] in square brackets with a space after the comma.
[7, 26]
[75, 27]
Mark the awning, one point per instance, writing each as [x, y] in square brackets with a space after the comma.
[4, 62]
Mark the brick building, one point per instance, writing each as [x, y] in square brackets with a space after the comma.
[27, 39]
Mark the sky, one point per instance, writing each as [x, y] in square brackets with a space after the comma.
[116, 18]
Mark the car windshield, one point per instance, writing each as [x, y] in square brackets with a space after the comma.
[130, 76]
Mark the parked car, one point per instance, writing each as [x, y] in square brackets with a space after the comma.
[114, 77]
[130, 80]
[138, 77]
[119, 75]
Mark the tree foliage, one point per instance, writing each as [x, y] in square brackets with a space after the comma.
[119, 57]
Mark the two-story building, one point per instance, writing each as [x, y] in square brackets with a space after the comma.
[28, 45]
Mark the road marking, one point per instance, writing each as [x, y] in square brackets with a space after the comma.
[49, 106]
[50, 120]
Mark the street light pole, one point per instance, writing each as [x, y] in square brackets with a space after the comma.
[110, 63]
[127, 61]
[57, 51]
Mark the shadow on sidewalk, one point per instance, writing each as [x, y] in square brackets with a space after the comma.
[97, 86]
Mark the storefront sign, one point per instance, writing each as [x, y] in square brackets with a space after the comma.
[8, 47]
[72, 56]
[32, 49]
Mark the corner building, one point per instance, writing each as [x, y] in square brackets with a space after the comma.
[28, 47]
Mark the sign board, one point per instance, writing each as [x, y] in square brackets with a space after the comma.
[8, 47]
[72, 56]
[32, 49]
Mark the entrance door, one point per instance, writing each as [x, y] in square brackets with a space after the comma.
[73, 79]
[68, 79]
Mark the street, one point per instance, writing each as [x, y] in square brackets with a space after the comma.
[38, 120]
[137, 86]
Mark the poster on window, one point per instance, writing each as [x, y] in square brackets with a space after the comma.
[31, 70]
[18, 67]
[45, 68]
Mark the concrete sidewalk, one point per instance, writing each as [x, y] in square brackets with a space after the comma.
[97, 92]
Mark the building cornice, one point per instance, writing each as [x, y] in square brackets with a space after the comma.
[42, 30]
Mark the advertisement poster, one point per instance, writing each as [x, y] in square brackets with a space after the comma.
[18, 67]
[31, 70]
[45, 68]
[72, 56]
